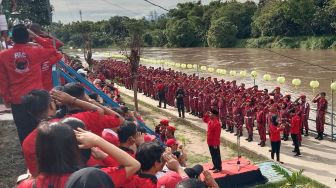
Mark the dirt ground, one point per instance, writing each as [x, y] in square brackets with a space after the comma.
[193, 139]
[11, 159]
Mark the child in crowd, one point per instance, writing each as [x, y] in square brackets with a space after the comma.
[275, 131]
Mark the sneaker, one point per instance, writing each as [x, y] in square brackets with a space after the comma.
[217, 171]
[296, 155]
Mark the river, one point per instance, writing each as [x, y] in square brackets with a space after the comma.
[263, 61]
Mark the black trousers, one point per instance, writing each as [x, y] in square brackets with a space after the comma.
[296, 143]
[162, 99]
[275, 150]
[216, 157]
[180, 107]
[24, 122]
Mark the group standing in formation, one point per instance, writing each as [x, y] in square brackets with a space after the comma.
[237, 105]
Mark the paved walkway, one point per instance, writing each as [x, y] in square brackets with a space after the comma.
[318, 158]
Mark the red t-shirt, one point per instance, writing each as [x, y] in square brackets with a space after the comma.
[20, 70]
[214, 131]
[96, 123]
[46, 66]
[29, 152]
[44, 181]
[117, 174]
[142, 181]
[275, 133]
[295, 125]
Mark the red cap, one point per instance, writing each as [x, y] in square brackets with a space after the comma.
[171, 142]
[110, 136]
[169, 180]
[277, 87]
[149, 138]
[171, 128]
[248, 100]
[164, 122]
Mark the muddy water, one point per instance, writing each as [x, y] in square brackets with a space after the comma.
[298, 64]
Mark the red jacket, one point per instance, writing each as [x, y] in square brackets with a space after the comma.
[20, 70]
[45, 181]
[47, 65]
[214, 130]
[275, 133]
[295, 125]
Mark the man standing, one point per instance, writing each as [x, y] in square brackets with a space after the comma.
[305, 108]
[213, 139]
[322, 106]
[20, 73]
[161, 94]
[180, 100]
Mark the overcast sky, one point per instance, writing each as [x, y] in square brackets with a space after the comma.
[68, 10]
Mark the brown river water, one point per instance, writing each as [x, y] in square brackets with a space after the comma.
[290, 63]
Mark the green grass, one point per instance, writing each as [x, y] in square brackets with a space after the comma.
[305, 42]
[306, 182]
[194, 159]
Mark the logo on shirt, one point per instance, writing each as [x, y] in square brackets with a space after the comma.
[21, 62]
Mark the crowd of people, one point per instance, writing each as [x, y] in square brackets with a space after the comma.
[236, 105]
[70, 139]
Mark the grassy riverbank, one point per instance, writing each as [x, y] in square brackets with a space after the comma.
[304, 42]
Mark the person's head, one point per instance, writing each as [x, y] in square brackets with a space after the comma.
[57, 150]
[265, 91]
[277, 89]
[149, 155]
[288, 97]
[89, 177]
[75, 123]
[36, 28]
[127, 133]
[274, 120]
[39, 104]
[191, 183]
[213, 113]
[303, 98]
[75, 90]
[172, 143]
[323, 95]
[20, 34]
[283, 105]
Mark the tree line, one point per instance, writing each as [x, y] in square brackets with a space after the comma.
[217, 24]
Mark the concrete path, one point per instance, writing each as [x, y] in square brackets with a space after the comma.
[318, 158]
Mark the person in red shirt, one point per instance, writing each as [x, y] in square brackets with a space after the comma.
[161, 92]
[56, 163]
[275, 130]
[295, 129]
[153, 157]
[20, 73]
[129, 137]
[47, 42]
[213, 138]
[322, 106]
[305, 109]
[261, 124]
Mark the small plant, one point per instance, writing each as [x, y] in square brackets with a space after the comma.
[292, 179]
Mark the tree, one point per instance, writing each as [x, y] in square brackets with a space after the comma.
[135, 29]
[180, 33]
[38, 11]
[222, 33]
[291, 179]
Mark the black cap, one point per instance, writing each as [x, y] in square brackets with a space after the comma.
[194, 172]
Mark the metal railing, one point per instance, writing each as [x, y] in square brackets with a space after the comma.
[61, 70]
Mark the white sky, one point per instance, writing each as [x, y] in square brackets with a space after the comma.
[68, 10]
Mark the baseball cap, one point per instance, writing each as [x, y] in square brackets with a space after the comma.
[171, 142]
[171, 128]
[194, 172]
[164, 122]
